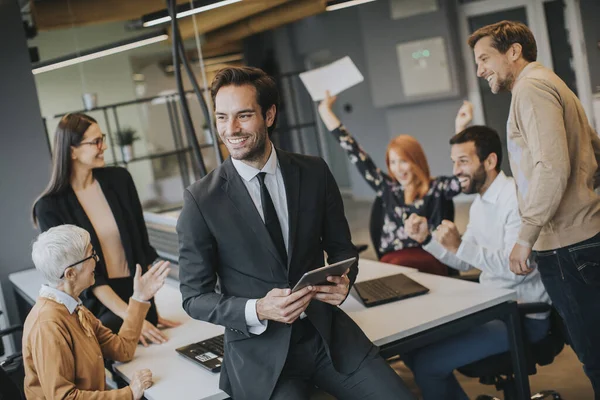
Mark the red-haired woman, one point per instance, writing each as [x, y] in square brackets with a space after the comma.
[408, 189]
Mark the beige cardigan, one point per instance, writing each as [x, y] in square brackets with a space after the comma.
[62, 362]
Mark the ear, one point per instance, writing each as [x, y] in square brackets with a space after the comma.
[270, 116]
[70, 273]
[73, 156]
[516, 50]
[491, 161]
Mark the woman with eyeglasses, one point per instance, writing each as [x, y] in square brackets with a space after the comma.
[63, 343]
[103, 201]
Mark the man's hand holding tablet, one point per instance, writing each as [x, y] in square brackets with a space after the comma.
[330, 282]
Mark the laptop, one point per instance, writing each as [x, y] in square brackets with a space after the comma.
[207, 353]
[387, 289]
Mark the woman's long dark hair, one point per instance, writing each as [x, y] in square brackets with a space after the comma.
[69, 132]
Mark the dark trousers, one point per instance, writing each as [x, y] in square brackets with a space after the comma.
[308, 365]
[572, 278]
[434, 365]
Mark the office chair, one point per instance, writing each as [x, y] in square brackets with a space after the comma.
[376, 224]
[497, 369]
[361, 247]
[12, 373]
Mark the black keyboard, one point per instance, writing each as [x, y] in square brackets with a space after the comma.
[208, 353]
[214, 344]
[377, 289]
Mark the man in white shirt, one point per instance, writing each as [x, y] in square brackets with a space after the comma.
[493, 228]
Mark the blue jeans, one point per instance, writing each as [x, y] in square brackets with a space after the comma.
[572, 278]
[433, 366]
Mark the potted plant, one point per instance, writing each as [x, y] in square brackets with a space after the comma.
[125, 139]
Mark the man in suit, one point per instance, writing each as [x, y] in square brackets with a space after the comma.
[256, 224]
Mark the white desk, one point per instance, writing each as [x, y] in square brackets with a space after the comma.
[451, 305]
[27, 283]
[177, 378]
[449, 299]
[174, 376]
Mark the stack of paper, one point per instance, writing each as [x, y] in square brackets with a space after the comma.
[335, 77]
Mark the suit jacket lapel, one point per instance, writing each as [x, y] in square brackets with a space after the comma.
[291, 179]
[239, 196]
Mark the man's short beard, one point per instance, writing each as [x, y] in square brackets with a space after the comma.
[477, 181]
[506, 84]
[258, 151]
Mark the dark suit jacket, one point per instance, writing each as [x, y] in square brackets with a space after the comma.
[222, 236]
[121, 195]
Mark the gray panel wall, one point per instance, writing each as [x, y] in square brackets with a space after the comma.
[362, 33]
[381, 35]
[430, 122]
[590, 16]
[24, 154]
[340, 34]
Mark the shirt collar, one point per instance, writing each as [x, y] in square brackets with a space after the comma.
[248, 173]
[492, 193]
[60, 297]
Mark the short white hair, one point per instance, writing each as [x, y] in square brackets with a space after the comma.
[58, 248]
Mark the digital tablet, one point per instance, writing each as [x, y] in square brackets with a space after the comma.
[319, 276]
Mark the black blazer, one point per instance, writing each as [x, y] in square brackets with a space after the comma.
[121, 195]
[222, 236]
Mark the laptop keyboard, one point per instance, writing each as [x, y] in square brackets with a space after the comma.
[214, 345]
[376, 289]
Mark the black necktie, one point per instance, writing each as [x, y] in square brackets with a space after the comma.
[271, 220]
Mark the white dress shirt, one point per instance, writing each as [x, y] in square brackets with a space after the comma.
[493, 230]
[66, 299]
[60, 297]
[276, 187]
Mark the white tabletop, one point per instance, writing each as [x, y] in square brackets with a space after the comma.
[176, 377]
[448, 299]
[29, 282]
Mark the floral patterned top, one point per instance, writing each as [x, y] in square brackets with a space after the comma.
[436, 206]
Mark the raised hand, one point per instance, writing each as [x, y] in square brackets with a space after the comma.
[464, 116]
[416, 228]
[330, 120]
[448, 236]
[145, 286]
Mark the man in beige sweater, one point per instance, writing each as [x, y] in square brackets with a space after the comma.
[554, 155]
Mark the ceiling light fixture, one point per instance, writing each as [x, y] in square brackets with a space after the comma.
[98, 52]
[334, 5]
[184, 10]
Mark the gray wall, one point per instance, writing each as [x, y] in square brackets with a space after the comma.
[358, 32]
[431, 122]
[590, 16]
[24, 155]
[381, 35]
[339, 34]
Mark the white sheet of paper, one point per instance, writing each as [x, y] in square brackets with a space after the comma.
[335, 77]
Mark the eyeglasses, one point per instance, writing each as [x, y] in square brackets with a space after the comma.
[99, 142]
[94, 256]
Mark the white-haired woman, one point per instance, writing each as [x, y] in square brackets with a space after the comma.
[63, 343]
